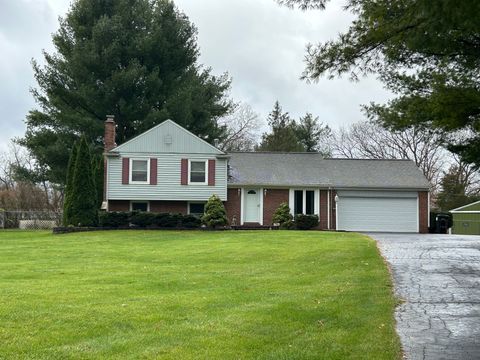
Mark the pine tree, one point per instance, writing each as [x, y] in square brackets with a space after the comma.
[311, 133]
[135, 59]
[98, 176]
[67, 197]
[283, 136]
[83, 196]
[215, 214]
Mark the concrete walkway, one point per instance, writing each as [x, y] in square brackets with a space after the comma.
[438, 276]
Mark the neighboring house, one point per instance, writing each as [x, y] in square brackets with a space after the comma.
[466, 219]
[169, 169]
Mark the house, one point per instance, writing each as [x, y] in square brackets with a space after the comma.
[466, 219]
[169, 169]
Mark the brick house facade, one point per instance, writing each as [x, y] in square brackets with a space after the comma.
[168, 169]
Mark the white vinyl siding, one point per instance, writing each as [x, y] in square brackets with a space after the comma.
[168, 179]
[167, 137]
[377, 211]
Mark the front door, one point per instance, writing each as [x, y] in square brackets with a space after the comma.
[252, 205]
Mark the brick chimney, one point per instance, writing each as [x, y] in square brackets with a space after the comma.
[109, 138]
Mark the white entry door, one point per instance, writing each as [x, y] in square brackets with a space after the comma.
[252, 205]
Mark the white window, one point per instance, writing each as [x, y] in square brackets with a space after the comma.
[197, 173]
[139, 171]
[140, 206]
[304, 201]
[196, 209]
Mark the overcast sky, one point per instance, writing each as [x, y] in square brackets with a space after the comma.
[260, 44]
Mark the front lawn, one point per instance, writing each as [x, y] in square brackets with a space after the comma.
[194, 295]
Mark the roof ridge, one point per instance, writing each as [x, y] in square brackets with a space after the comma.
[313, 153]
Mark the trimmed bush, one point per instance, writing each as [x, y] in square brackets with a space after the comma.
[191, 222]
[142, 219]
[282, 216]
[306, 222]
[113, 219]
[215, 214]
[166, 220]
[147, 219]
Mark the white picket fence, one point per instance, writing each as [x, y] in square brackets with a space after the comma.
[32, 220]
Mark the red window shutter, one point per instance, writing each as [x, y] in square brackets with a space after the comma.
[211, 172]
[153, 171]
[184, 172]
[125, 170]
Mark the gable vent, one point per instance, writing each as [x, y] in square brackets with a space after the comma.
[167, 139]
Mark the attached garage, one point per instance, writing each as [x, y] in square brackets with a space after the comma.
[388, 211]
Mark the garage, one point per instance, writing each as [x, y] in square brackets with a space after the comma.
[386, 211]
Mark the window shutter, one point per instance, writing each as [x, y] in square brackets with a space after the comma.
[211, 172]
[184, 172]
[125, 170]
[153, 171]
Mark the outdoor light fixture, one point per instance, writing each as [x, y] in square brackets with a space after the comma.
[336, 198]
[264, 192]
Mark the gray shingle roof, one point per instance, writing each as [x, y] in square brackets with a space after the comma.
[310, 169]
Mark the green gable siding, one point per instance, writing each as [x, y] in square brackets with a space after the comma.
[466, 223]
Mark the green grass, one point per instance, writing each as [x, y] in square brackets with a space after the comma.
[194, 295]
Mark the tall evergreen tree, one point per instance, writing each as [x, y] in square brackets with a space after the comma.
[68, 193]
[427, 52]
[98, 176]
[313, 135]
[283, 135]
[83, 193]
[135, 59]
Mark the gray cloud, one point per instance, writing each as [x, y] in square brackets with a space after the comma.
[260, 44]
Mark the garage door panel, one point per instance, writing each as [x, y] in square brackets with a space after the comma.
[377, 214]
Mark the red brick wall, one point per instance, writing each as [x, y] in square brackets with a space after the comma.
[323, 210]
[423, 211]
[271, 201]
[232, 206]
[118, 205]
[174, 207]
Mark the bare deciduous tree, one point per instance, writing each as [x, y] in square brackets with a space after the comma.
[243, 127]
[368, 140]
[18, 194]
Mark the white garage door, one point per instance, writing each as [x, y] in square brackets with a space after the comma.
[377, 211]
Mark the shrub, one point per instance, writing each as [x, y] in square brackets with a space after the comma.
[306, 222]
[166, 220]
[147, 219]
[282, 216]
[142, 219]
[215, 214]
[113, 219]
[190, 221]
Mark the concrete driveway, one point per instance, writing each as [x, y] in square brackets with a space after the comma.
[438, 276]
